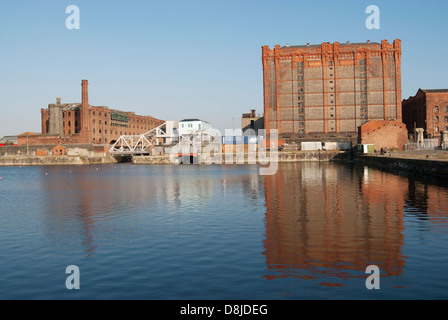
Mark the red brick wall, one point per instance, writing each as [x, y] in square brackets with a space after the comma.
[435, 108]
[420, 111]
[47, 140]
[322, 89]
[384, 134]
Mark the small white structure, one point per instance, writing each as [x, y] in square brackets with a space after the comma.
[365, 148]
[337, 146]
[189, 126]
[311, 146]
[169, 133]
[195, 132]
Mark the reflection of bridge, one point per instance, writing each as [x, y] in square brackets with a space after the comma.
[164, 135]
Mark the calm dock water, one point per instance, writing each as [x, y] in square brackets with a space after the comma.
[221, 232]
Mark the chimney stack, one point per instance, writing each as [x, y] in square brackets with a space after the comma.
[58, 100]
[85, 112]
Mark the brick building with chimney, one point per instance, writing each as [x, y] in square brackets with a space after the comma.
[330, 89]
[72, 123]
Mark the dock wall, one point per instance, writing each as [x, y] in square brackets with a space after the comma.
[297, 156]
[437, 168]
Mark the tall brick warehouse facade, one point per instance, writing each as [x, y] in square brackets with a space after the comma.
[428, 109]
[83, 123]
[330, 89]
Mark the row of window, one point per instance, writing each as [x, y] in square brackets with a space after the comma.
[436, 109]
[362, 62]
[121, 132]
[445, 119]
[437, 130]
[69, 123]
[105, 122]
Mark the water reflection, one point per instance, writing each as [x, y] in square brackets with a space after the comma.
[327, 220]
[322, 221]
[428, 204]
[90, 206]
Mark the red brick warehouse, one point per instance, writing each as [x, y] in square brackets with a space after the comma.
[84, 123]
[330, 89]
[428, 109]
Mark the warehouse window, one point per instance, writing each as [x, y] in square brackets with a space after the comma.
[436, 109]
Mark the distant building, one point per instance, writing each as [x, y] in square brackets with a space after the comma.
[189, 126]
[428, 109]
[252, 121]
[84, 123]
[330, 89]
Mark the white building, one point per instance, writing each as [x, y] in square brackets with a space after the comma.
[189, 126]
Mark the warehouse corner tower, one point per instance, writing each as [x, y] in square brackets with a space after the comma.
[330, 89]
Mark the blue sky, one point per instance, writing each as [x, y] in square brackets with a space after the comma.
[184, 59]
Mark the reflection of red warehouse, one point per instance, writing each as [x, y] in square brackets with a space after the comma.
[84, 123]
[320, 221]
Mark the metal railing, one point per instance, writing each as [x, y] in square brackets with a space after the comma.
[428, 144]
